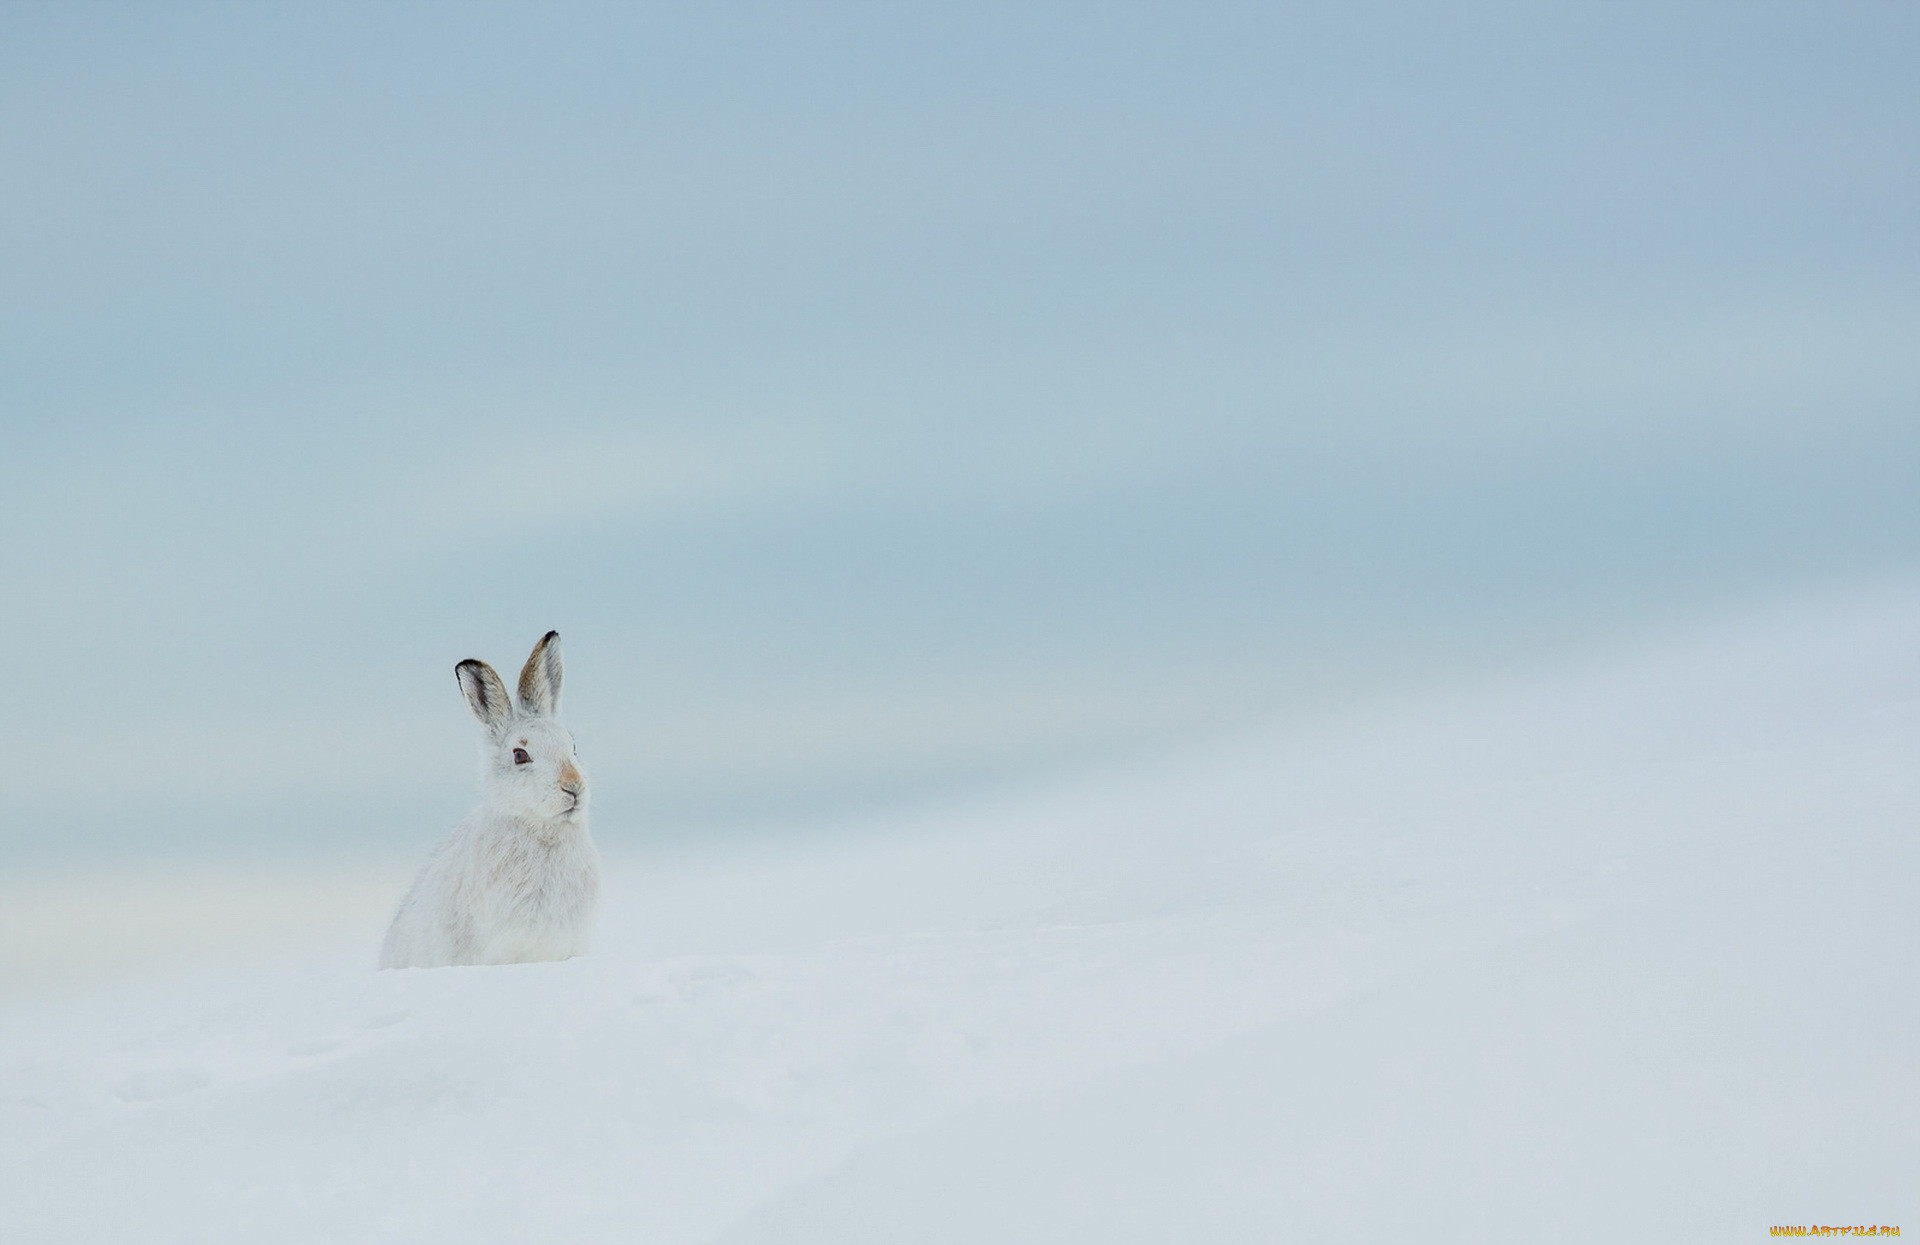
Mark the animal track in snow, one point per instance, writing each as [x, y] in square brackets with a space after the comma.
[152, 1084]
[704, 979]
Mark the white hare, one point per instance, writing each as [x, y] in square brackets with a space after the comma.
[518, 880]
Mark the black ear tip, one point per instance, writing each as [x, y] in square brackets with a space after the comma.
[550, 637]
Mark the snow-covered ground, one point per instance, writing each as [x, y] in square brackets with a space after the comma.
[1627, 952]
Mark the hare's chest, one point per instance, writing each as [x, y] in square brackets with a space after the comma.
[541, 905]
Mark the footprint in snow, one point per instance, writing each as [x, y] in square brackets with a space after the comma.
[328, 1045]
[707, 978]
[156, 1083]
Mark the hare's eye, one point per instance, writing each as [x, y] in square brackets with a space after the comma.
[520, 756]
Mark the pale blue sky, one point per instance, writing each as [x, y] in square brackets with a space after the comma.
[882, 397]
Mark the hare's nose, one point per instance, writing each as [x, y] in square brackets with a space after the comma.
[570, 781]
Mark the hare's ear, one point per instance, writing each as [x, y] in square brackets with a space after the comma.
[540, 677]
[486, 694]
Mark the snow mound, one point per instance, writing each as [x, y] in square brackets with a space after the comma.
[1627, 950]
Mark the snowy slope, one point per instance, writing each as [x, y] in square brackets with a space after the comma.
[1626, 950]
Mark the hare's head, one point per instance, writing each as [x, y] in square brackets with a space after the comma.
[529, 766]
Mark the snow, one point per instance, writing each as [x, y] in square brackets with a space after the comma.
[1627, 948]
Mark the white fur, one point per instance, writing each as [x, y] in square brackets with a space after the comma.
[519, 879]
